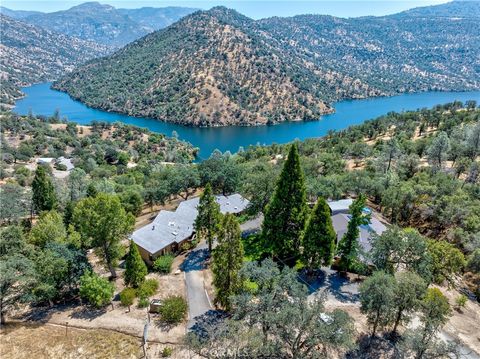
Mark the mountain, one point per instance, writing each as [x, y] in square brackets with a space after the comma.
[17, 14]
[458, 9]
[151, 19]
[218, 67]
[31, 54]
[105, 24]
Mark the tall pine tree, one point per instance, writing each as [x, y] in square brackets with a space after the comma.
[208, 219]
[227, 261]
[348, 247]
[43, 192]
[319, 237]
[135, 268]
[286, 214]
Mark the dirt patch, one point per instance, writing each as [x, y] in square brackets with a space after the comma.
[47, 341]
[464, 324]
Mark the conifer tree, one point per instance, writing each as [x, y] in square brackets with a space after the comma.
[227, 261]
[135, 268]
[43, 197]
[209, 216]
[319, 237]
[286, 214]
[348, 246]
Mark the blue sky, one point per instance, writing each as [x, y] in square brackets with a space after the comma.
[254, 9]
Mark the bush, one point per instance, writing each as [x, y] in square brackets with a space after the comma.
[185, 246]
[147, 288]
[166, 352]
[163, 264]
[461, 301]
[173, 309]
[96, 290]
[143, 302]
[127, 296]
[60, 167]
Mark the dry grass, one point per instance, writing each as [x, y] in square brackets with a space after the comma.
[46, 341]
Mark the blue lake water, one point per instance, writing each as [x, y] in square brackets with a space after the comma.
[42, 100]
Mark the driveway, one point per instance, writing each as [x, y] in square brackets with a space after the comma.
[198, 301]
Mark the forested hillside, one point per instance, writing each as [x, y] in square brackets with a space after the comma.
[31, 54]
[218, 67]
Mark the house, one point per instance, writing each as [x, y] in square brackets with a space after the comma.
[67, 162]
[340, 206]
[340, 219]
[46, 161]
[170, 229]
[340, 224]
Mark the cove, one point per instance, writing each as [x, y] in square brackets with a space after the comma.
[42, 100]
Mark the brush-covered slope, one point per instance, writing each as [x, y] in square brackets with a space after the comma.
[30, 54]
[211, 68]
[218, 67]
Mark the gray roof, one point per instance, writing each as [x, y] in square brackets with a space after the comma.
[340, 224]
[67, 162]
[340, 206]
[174, 227]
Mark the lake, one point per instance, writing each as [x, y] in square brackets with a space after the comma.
[42, 100]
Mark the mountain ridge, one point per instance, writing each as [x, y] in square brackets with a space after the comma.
[103, 23]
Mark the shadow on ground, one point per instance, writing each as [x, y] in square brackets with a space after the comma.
[330, 281]
[196, 260]
[207, 322]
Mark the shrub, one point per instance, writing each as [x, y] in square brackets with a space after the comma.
[166, 352]
[127, 296]
[173, 309]
[185, 246]
[163, 264]
[96, 290]
[60, 167]
[461, 301]
[147, 288]
[143, 302]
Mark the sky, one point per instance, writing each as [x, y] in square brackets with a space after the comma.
[253, 9]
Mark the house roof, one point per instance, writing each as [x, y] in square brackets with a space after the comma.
[340, 224]
[45, 160]
[341, 205]
[67, 162]
[174, 227]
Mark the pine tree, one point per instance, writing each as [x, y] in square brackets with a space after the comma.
[227, 261]
[43, 197]
[319, 237]
[286, 214]
[348, 246]
[209, 217]
[135, 268]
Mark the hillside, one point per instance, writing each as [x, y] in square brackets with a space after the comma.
[457, 8]
[218, 67]
[30, 54]
[105, 24]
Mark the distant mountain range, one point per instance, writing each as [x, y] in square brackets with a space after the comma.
[219, 67]
[31, 54]
[104, 24]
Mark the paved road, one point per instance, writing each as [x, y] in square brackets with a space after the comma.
[198, 301]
